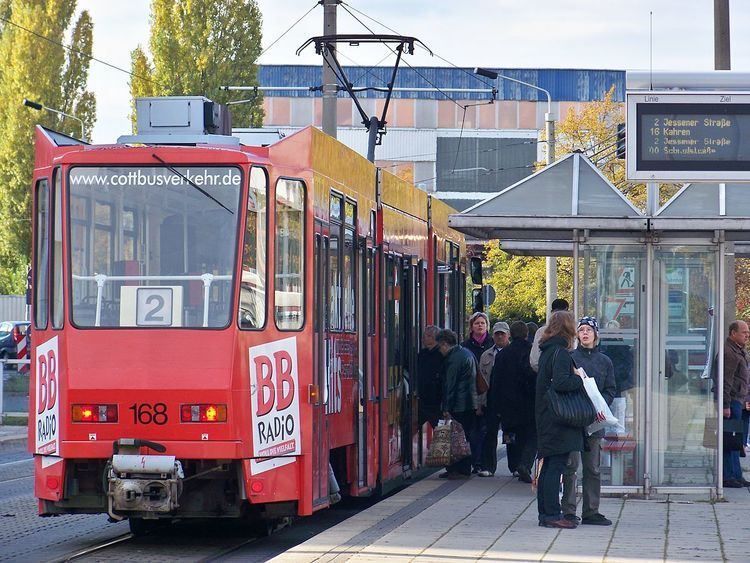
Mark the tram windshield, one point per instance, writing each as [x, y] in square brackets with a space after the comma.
[153, 246]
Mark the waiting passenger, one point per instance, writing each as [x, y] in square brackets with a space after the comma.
[533, 328]
[557, 305]
[479, 339]
[484, 437]
[735, 392]
[555, 440]
[598, 366]
[459, 377]
[429, 384]
[512, 399]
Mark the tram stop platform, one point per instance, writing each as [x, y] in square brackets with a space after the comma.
[495, 519]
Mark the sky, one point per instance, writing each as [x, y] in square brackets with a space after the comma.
[593, 34]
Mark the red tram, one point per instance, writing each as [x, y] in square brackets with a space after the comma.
[216, 325]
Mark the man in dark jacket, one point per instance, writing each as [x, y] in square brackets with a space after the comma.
[429, 385]
[511, 399]
[735, 390]
[459, 376]
[600, 368]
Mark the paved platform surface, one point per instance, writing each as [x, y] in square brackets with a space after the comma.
[495, 519]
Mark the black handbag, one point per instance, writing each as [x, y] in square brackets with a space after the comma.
[733, 435]
[572, 408]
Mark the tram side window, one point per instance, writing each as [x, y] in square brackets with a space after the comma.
[334, 273]
[252, 306]
[336, 310]
[349, 255]
[289, 308]
[370, 295]
[41, 267]
[57, 283]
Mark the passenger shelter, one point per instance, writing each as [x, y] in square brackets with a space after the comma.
[661, 285]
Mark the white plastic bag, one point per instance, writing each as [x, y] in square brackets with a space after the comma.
[602, 409]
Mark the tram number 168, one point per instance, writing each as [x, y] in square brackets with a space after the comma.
[147, 413]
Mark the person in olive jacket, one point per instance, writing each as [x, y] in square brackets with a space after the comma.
[598, 366]
[459, 399]
[555, 440]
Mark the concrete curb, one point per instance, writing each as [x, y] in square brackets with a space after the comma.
[13, 435]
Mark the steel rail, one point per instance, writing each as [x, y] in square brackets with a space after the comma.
[93, 549]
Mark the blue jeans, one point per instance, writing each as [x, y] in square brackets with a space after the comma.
[476, 439]
[732, 469]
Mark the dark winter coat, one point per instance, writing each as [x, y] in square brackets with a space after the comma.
[554, 438]
[622, 358]
[429, 385]
[459, 376]
[511, 394]
[476, 348]
[599, 366]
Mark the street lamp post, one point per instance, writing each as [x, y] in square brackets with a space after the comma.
[549, 117]
[549, 121]
[39, 107]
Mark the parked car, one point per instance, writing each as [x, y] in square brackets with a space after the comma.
[10, 333]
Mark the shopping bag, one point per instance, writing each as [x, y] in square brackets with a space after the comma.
[439, 452]
[460, 447]
[602, 409]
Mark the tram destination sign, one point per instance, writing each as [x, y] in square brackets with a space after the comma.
[686, 137]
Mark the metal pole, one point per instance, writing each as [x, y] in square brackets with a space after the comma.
[652, 198]
[549, 122]
[372, 137]
[721, 35]
[576, 254]
[551, 277]
[330, 82]
[718, 338]
[649, 341]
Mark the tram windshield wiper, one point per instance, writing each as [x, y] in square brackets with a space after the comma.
[189, 181]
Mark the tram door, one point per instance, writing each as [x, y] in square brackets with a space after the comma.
[394, 380]
[364, 297]
[410, 345]
[320, 358]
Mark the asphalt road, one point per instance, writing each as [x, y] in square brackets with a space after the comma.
[24, 536]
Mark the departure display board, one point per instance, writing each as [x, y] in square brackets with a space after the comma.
[688, 136]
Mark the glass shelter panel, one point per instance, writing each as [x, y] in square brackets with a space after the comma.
[612, 290]
[685, 344]
[153, 246]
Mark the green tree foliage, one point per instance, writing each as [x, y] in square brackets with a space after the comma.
[198, 46]
[39, 70]
[519, 282]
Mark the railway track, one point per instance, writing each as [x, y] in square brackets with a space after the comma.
[93, 549]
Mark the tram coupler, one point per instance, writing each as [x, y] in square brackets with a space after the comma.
[142, 486]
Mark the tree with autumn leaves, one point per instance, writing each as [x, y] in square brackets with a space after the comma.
[196, 47]
[519, 281]
[34, 65]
